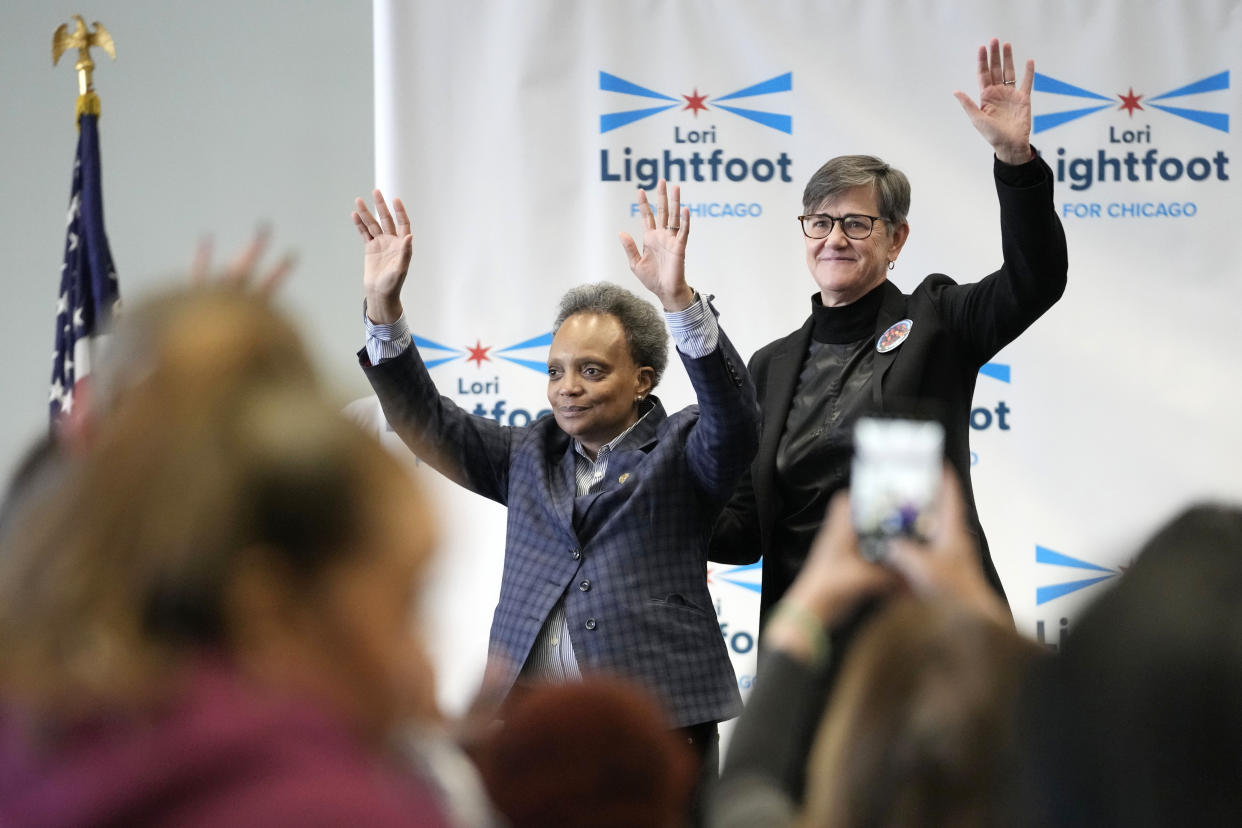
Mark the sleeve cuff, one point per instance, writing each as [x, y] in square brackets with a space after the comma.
[694, 328]
[385, 341]
[1027, 174]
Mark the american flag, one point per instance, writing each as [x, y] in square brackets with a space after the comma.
[88, 286]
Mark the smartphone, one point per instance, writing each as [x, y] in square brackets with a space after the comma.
[894, 480]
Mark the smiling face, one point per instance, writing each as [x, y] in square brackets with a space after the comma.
[593, 382]
[846, 269]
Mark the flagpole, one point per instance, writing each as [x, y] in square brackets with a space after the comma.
[88, 286]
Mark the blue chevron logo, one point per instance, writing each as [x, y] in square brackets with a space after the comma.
[996, 370]
[480, 354]
[1132, 102]
[695, 102]
[748, 577]
[1044, 594]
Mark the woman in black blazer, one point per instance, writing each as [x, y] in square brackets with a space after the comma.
[867, 346]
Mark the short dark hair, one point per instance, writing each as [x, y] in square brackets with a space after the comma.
[845, 172]
[645, 334]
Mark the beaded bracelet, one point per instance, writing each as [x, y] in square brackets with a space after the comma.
[810, 626]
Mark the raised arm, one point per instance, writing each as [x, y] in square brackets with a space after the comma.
[724, 439]
[759, 780]
[766, 758]
[994, 311]
[1003, 114]
[472, 451]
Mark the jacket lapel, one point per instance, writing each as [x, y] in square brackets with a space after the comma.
[562, 482]
[778, 393]
[892, 311]
[629, 455]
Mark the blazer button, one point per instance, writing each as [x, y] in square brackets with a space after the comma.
[584, 585]
[590, 624]
[576, 554]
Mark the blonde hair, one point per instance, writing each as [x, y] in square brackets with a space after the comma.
[219, 446]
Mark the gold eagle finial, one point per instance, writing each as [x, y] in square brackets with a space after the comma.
[83, 40]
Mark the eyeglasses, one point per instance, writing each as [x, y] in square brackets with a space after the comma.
[855, 225]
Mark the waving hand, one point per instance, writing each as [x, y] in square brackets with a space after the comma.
[1003, 114]
[386, 252]
[661, 266]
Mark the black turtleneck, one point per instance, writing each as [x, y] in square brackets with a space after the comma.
[847, 323]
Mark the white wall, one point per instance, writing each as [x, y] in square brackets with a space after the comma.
[216, 116]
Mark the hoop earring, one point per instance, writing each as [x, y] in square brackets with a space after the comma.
[892, 265]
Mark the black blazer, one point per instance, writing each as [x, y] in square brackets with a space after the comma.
[957, 328]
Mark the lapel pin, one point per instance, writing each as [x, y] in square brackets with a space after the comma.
[894, 336]
[624, 477]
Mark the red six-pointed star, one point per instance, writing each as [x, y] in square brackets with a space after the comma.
[478, 353]
[1130, 102]
[695, 102]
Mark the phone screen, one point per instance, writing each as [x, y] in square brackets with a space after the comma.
[895, 480]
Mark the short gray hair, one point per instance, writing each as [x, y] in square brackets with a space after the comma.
[845, 172]
[645, 334]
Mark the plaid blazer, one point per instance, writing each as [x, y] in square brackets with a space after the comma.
[631, 557]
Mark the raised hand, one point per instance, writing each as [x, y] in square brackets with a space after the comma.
[387, 248]
[948, 565]
[242, 271]
[1003, 114]
[661, 266]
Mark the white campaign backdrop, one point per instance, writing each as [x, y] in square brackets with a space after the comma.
[1114, 410]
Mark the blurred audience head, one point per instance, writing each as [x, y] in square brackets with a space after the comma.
[211, 322]
[918, 731]
[1138, 722]
[211, 339]
[224, 509]
[36, 475]
[598, 753]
